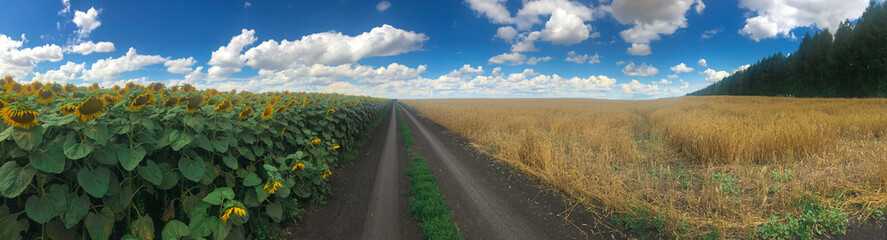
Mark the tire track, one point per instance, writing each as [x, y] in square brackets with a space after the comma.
[384, 213]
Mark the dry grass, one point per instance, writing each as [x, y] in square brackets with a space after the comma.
[663, 154]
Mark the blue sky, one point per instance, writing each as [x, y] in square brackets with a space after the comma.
[408, 49]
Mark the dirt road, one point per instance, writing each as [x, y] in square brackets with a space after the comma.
[492, 201]
[369, 196]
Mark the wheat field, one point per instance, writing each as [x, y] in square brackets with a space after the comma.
[722, 165]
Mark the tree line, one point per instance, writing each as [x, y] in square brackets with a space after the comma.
[852, 62]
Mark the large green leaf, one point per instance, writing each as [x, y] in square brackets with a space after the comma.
[51, 160]
[77, 150]
[97, 132]
[58, 198]
[230, 161]
[221, 230]
[151, 172]
[275, 211]
[7, 133]
[170, 177]
[130, 157]
[99, 225]
[178, 139]
[175, 229]
[77, 208]
[143, 228]
[194, 121]
[28, 139]
[57, 231]
[217, 196]
[95, 181]
[9, 227]
[251, 180]
[105, 155]
[120, 201]
[15, 179]
[192, 169]
[39, 209]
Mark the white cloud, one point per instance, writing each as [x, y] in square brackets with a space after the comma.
[67, 72]
[107, 70]
[180, 66]
[640, 70]
[227, 59]
[778, 18]
[196, 75]
[247, 4]
[528, 15]
[516, 59]
[319, 74]
[333, 48]
[67, 9]
[650, 19]
[742, 68]
[90, 47]
[565, 28]
[506, 33]
[662, 82]
[584, 58]
[86, 22]
[494, 10]
[673, 76]
[681, 68]
[639, 49]
[710, 75]
[526, 42]
[702, 63]
[700, 6]
[711, 33]
[383, 5]
[19, 63]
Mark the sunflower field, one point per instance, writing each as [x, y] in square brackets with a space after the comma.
[170, 162]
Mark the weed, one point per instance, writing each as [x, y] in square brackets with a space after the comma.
[816, 219]
[641, 220]
[727, 183]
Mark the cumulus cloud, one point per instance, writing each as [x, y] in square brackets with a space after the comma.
[227, 59]
[584, 58]
[180, 66]
[247, 4]
[702, 63]
[506, 33]
[639, 49]
[494, 10]
[89, 47]
[107, 70]
[673, 76]
[654, 89]
[711, 33]
[516, 59]
[526, 42]
[529, 14]
[742, 68]
[319, 74]
[86, 22]
[650, 19]
[382, 6]
[639, 70]
[778, 18]
[65, 73]
[67, 9]
[710, 75]
[19, 63]
[565, 28]
[681, 68]
[333, 48]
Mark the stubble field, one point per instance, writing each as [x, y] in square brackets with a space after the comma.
[693, 167]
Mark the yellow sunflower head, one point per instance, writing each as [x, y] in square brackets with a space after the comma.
[315, 141]
[171, 101]
[326, 174]
[131, 85]
[187, 88]
[212, 101]
[69, 88]
[19, 117]
[45, 95]
[156, 87]
[89, 109]
[245, 113]
[56, 88]
[212, 92]
[330, 111]
[280, 109]
[109, 99]
[94, 87]
[141, 100]
[3, 104]
[37, 85]
[268, 111]
[68, 109]
[115, 88]
[224, 106]
[15, 87]
[174, 88]
[194, 102]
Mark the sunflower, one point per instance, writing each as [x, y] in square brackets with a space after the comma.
[194, 102]
[156, 87]
[3, 104]
[174, 88]
[235, 101]
[122, 92]
[280, 109]
[22, 118]
[315, 141]
[268, 111]
[69, 88]
[37, 85]
[187, 88]
[326, 174]
[171, 101]
[131, 85]
[282, 131]
[245, 113]
[89, 109]
[224, 106]
[212, 92]
[45, 95]
[115, 88]
[331, 111]
[336, 147]
[68, 109]
[212, 101]
[56, 88]
[28, 89]
[272, 187]
[141, 100]
[95, 87]
[109, 99]
[15, 87]
[298, 166]
[235, 210]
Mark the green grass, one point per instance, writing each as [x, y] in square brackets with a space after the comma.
[427, 204]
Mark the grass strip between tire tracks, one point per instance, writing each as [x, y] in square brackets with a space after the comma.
[427, 204]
